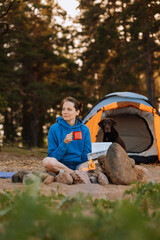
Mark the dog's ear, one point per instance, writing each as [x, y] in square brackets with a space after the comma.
[113, 123]
[101, 124]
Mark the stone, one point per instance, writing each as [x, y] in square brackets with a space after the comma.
[64, 177]
[101, 160]
[102, 179]
[80, 177]
[93, 179]
[31, 178]
[43, 176]
[118, 166]
[92, 174]
[141, 173]
[98, 169]
[19, 176]
[49, 179]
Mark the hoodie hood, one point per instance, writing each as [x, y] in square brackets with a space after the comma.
[61, 121]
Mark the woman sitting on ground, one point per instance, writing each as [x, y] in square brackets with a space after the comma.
[64, 151]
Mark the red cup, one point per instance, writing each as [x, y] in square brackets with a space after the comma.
[77, 135]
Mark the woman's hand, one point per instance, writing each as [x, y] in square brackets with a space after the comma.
[68, 138]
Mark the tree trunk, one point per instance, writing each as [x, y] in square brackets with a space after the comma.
[9, 129]
[26, 124]
[149, 73]
[34, 127]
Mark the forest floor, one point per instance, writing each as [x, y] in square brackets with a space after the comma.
[32, 161]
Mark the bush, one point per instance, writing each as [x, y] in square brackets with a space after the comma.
[30, 215]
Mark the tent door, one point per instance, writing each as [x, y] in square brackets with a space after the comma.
[134, 130]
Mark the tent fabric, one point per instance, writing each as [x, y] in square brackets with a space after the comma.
[129, 130]
[157, 131]
[138, 123]
[128, 94]
[136, 141]
[93, 125]
[116, 98]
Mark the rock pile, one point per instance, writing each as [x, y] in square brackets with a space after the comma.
[113, 168]
[78, 177]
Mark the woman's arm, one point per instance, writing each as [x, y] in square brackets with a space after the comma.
[55, 149]
[87, 146]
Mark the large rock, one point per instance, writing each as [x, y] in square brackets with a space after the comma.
[64, 177]
[118, 166]
[80, 177]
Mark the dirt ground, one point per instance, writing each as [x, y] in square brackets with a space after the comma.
[10, 163]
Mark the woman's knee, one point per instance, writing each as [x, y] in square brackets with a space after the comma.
[48, 161]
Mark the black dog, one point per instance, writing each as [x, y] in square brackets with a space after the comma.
[110, 133]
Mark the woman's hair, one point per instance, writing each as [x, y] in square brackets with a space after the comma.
[78, 105]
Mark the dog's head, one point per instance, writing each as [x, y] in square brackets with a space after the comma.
[106, 124]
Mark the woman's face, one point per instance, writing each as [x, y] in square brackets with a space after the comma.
[69, 112]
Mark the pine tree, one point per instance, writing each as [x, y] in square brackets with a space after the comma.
[120, 39]
[37, 49]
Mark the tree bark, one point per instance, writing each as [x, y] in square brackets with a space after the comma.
[148, 58]
[34, 127]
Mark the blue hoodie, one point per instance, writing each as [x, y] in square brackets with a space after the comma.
[73, 153]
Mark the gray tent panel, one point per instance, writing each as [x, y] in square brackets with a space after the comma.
[118, 97]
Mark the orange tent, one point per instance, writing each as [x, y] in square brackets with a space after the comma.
[138, 123]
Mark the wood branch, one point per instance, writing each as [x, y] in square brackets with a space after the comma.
[5, 24]
[9, 7]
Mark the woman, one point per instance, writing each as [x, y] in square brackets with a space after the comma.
[64, 151]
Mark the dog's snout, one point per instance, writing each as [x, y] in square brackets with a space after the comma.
[107, 128]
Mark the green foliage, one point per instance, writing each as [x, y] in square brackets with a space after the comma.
[121, 39]
[36, 69]
[147, 196]
[30, 215]
[118, 46]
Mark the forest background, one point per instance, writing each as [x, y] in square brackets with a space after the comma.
[111, 46]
